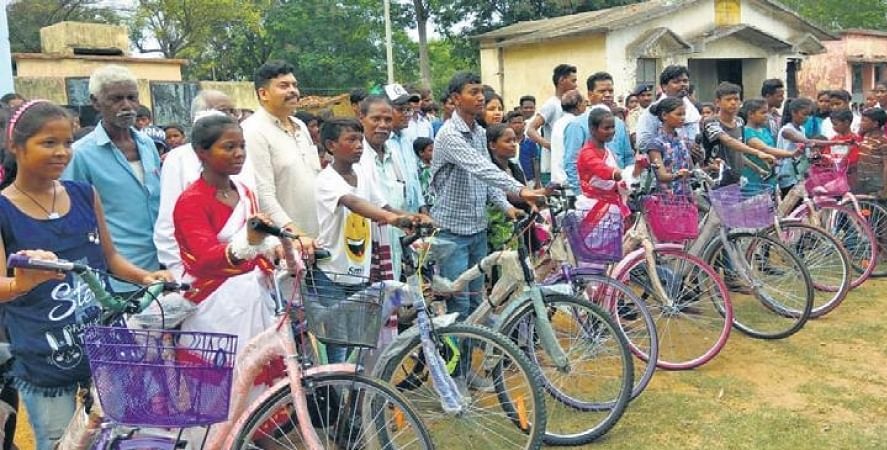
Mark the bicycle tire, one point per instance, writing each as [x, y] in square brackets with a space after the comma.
[854, 233]
[516, 419]
[760, 251]
[876, 214]
[598, 328]
[630, 313]
[335, 384]
[825, 259]
[634, 275]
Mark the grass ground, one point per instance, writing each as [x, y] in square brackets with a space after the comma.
[824, 388]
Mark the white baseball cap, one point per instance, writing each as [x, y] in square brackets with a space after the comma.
[398, 95]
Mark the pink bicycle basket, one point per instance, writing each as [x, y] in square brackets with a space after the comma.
[672, 218]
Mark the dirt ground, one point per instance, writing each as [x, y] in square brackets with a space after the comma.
[824, 388]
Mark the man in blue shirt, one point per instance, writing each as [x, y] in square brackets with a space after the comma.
[600, 95]
[674, 81]
[123, 166]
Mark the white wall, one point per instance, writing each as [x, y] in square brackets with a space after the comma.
[690, 22]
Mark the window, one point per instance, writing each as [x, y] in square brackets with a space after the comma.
[856, 82]
[880, 72]
[647, 71]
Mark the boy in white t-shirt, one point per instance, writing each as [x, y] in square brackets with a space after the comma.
[347, 202]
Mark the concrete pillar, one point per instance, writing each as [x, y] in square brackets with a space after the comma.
[6, 82]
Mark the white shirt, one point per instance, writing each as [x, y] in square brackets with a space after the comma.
[827, 130]
[285, 166]
[344, 233]
[181, 167]
[558, 174]
[421, 127]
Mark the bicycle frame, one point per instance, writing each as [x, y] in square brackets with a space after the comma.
[512, 293]
[273, 343]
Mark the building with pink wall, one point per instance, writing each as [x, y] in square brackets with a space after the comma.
[855, 62]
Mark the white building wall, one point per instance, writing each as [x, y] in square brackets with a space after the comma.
[687, 23]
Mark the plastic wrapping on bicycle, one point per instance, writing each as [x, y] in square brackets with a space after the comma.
[342, 308]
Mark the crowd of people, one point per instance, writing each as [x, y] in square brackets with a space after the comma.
[149, 203]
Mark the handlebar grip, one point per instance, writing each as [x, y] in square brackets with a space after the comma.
[407, 241]
[171, 286]
[322, 253]
[24, 262]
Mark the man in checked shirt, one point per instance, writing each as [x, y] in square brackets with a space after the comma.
[464, 180]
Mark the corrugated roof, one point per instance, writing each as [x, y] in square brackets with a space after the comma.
[609, 19]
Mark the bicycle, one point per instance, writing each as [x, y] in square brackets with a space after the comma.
[583, 357]
[688, 300]
[773, 290]
[824, 255]
[469, 383]
[361, 402]
[119, 355]
[845, 223]
[624, 306]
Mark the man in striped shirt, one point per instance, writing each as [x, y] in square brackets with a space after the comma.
[464, 180]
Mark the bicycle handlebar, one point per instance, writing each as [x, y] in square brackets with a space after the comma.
[108, 301]
[421, 230]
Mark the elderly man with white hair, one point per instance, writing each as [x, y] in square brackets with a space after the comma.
[123, 166]
[181, 168]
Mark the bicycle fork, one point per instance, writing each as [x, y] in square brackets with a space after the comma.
[546, 331]
[655, 282]
[451, 400]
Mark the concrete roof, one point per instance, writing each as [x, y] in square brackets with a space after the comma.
[106, 59]
[615, 18]
[863, 31]
[746, 32]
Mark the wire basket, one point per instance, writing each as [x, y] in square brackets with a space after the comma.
[672, 218]
[600, 245]
[161, 378]
[749, 206]
[827, 179]
[342, 313]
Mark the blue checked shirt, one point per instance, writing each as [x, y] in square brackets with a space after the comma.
[464, 179]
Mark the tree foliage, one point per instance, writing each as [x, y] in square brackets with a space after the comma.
[339, 44]
[182, 28]
[27, 17]
[333, 45]
[841, 14]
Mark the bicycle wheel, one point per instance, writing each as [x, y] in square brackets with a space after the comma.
[777, 302]
[825, 259]
[598, 381]
[852, 231]
[694, 322]
[504, 404]
[876, 215]
[632, 316]
[348, 411]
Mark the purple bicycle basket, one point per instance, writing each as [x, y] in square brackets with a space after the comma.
[161, 378]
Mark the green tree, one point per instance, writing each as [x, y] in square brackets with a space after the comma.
[334, 46]
[182, 28]
[841, 14]
[27, 17]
